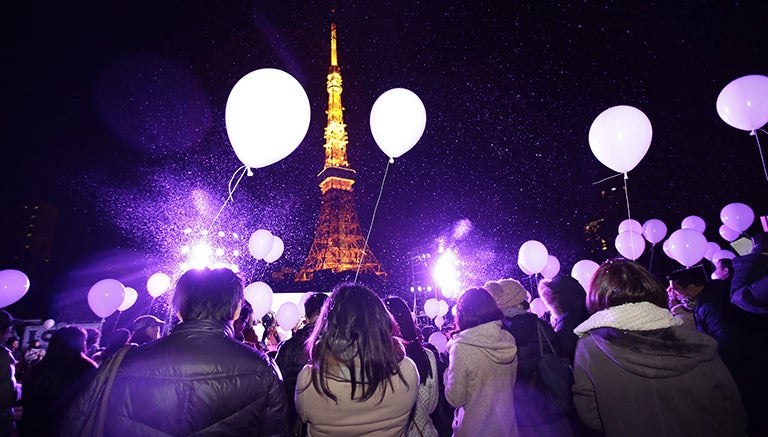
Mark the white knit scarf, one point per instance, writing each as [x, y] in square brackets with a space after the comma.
[640, 316]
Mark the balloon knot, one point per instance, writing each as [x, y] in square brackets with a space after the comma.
[391, 160]
[249, 171]
[753, 133]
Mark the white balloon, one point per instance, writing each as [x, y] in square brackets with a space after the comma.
[288, 315]
[743, 103]
[267, 116]
[620, 137]
[442, 308]
[720, 254]
[728, 234]
[105, 296]
[630, 244]
[259, 295]
[737, 216]
[48, 324]
[158, 284]
[438, 340]
[431, 308]
[583, 270]
[552, 268]
[712, 248]
[631, 225]
[129, 299]
[398, 119]
[439, 320]
[538, 307]
[532, 256]
[260, 243]
[687, 246]
[277, 250]
[694, 222]
[14, 284]
[654, 230]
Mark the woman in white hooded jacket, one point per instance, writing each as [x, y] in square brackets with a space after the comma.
[480, 377]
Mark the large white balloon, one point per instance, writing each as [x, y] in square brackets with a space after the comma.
[654, 230]
[260, 243]
[288, 315]
[728, 234]
[620, 137]
[630, 244]
[129, 299]
[583, 270]
[158, 284]
[398, 119]
[438, 340]
[105, 297]
[277, 250]
[14, 284]
[737, 216]
[687, 246]
[630, 225]
[694, 222]
[267, 116]
[743, 103]
[532, 256]
[432, 308]
[259, 295]
[723, 253]
[552, 268]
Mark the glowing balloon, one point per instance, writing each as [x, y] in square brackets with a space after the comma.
[158, 284]
[288, 315]
[620, 137]
[712, 248]
[398, 119]
[260, 243]
[728, 234]
[631, 225]
[630, 244]
[105, 297]
[443, 308]
[129, 299]
[259, 295]
[538, 307]
[654, 230]
[667, 252]
[583, 270]
[737, 216]
[48, 324]
[743, 103]
[525, 270]
[439, 320]
[438, 340]
[532, 256]
[432, 308]
[687, 246]
[267, 117]
[14, 284]
[552, 268]
[694, 222]
[721, 254]
[277, 250]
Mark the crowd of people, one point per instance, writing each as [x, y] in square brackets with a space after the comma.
[629, 356]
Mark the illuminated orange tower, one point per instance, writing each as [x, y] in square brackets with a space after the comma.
[339, 244]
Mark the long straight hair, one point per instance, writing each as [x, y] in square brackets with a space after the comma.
[406, 330]
[356, 332]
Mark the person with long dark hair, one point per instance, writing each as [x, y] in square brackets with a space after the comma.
[480, 378]
[358, 380]
[426, 363]
[638, 372]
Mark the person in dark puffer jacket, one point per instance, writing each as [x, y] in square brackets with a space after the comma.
[198, 380]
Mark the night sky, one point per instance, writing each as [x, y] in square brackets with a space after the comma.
[114, 113]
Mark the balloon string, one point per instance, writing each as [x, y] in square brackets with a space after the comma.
[760, 150]
[629, 216]
[609, 177]
[365, 245]
[650, 264]
[245, 170]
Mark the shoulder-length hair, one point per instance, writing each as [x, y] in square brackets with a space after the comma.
[475, 307]
[620, 281]
[406, 330]
[356, 332]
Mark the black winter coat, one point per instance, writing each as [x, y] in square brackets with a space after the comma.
[197, 381]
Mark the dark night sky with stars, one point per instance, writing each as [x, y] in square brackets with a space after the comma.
[115, 115]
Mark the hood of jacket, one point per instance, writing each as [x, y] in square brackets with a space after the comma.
[660, 353]
[491, 339]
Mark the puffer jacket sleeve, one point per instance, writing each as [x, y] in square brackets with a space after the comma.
[275, 423]
[584, 397]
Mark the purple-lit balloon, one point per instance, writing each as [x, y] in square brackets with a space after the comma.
[694, 222]
[737, 216]
[665, 248]
[398, 119]
[620, 137]
[129, 299]
[443, 308]
[654, 230]
[583, 270]
[728, 234]
[552, 268]
[259, 295]
[538, 307]
[532, 256]
[630, 244]
[48, 324]
[687, 246]
[432, 308]
[712, 248]
[721, 254]
[630, 225]
[158, 284]
[14, 284]
[438, 340]
[105, 297]
[260, 243]
[277, 250]
[288, 315]
[743, 103]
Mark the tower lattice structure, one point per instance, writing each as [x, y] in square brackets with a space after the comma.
[339, 244]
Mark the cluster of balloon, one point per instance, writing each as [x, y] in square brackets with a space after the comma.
[398, 119]
[533, 257]
[620, 137]
[583, 271]
[743, 103]
[436, 309]
[158, 283]
[737, 218]
[14, 284]
[259, 295]
[630, 242]
[263, 245]
[288, 315]
[267, 117]
[105, 297]
[129, 299]
[688, 245]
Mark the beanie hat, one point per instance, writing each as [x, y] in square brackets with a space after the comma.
[506, 292]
